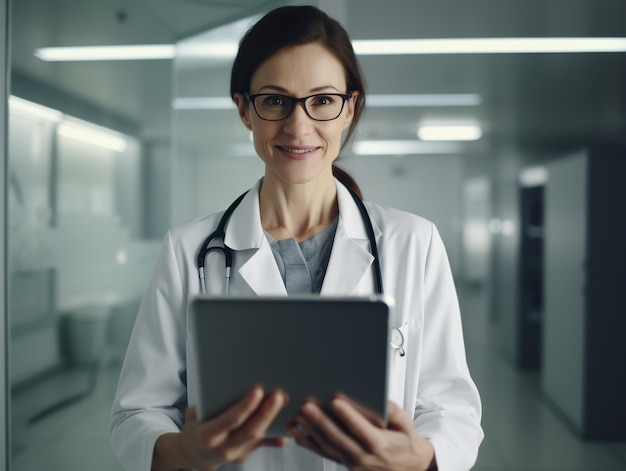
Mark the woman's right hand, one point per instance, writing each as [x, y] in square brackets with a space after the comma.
[232, 436]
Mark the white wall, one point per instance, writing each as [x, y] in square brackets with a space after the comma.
[210, 184]
[426, 185]
[157, 177]
[476, 237]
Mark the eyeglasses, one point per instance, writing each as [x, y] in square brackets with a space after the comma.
[321, 107]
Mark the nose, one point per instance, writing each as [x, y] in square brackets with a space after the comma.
[298, 122]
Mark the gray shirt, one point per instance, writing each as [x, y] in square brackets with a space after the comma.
[303, 265]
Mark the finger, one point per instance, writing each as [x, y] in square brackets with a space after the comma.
[238, 444]
[301, 439]
[308, 436]
[274, 442]
[232, 418]
[329, 433]
[190, 414]
[254, 430]
[370, 415]
[356, 424]
[398, 419]
[265, 414]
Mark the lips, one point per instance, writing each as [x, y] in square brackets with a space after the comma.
[297, 152]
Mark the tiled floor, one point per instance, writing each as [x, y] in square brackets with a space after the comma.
[522, 432]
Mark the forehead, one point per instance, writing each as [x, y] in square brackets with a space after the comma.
[299, 69]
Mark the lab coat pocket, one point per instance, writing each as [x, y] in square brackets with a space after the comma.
[397, 363]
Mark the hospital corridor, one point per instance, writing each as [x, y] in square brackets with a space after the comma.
[502, 122]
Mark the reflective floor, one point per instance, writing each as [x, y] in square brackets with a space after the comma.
[522, 432]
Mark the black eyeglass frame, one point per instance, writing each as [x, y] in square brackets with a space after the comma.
[344, 97]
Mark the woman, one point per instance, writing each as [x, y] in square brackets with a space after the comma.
[298, 87]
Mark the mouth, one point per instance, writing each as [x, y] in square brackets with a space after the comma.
[297, 152]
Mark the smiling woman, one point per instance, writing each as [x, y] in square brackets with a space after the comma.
[300, 230]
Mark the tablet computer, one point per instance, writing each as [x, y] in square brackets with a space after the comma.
[309, 346]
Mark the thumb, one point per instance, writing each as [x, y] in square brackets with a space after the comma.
[190, 414]
[398, 419]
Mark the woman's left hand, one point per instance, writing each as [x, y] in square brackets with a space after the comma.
[353, 440]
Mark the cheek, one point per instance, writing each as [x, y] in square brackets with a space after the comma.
[262, 138]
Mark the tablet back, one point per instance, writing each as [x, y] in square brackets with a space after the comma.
[310, 346]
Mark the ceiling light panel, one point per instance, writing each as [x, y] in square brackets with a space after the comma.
[424, 100]
[106, 53]
[405, 147]
[449, 132]
[488, 46]
[228, 49]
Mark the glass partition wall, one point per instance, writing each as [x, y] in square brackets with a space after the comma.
[77, 262]
[85, 191]
[90, 194]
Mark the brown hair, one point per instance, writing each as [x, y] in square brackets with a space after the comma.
[295, 26]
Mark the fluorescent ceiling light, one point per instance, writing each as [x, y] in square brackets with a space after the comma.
[104, 53]
[458, 99]
[228, 49]
[203, 103]
[450, 133]
[71, 127]
[404, 147]
[210, 50]
[488, 45]
[92, 134]
[33, 109]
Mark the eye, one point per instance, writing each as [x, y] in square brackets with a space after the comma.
[274, 100]
[323, 100]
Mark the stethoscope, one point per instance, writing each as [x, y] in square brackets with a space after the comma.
[397, 339]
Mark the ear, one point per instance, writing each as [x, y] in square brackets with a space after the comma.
[351, 106]
[242, 108]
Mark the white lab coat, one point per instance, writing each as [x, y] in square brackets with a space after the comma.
[431, 382]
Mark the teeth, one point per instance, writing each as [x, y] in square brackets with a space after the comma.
[296, 151]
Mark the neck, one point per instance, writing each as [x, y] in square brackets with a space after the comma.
[297, 210]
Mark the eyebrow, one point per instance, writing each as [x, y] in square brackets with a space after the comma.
[285, 91]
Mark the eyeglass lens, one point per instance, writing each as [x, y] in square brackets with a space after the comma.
[319, 107]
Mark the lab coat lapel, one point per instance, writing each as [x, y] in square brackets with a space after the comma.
[261, 272]
[350, 270]
[244, 232]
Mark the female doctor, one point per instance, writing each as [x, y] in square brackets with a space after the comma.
[298, 87]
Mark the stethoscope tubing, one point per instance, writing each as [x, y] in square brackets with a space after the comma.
[207, 248]
[220, 233]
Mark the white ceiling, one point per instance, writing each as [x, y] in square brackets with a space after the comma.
[536, 100]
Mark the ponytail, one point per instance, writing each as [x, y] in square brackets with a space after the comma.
[345, 178]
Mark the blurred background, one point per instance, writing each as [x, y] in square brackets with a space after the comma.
[103, 155]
